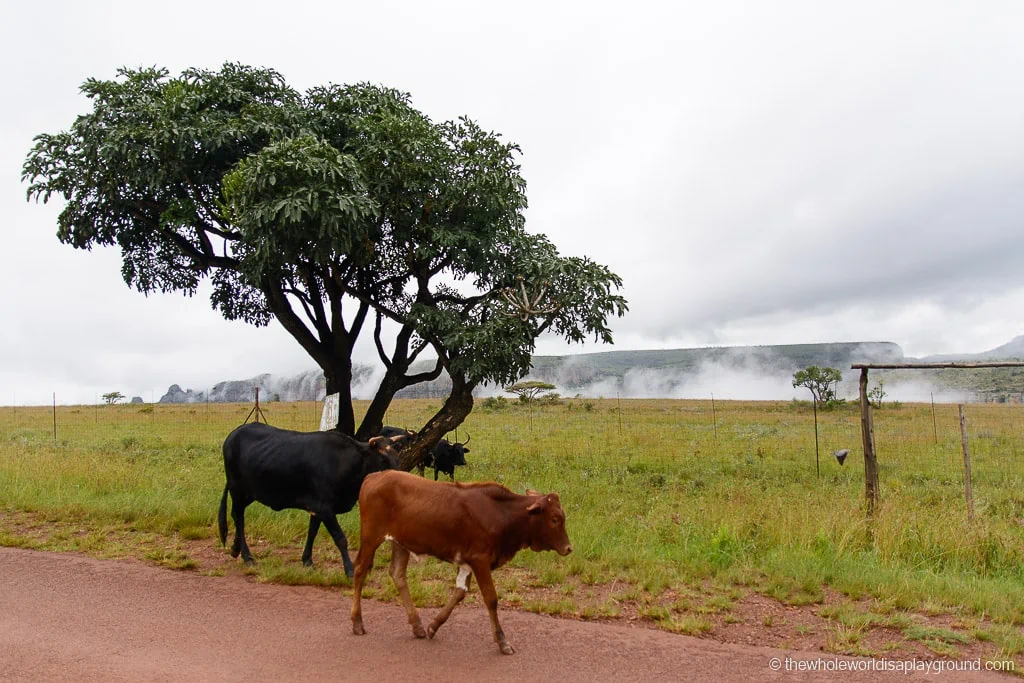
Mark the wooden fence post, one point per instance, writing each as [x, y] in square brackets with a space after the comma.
[967, 464]
[867, 428]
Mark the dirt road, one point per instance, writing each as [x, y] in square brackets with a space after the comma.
[65, 617]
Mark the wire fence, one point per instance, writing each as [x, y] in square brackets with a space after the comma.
[913, 441]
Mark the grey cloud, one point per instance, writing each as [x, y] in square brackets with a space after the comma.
[756, 172]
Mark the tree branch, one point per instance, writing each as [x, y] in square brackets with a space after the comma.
[316, 299]
[416, 351]
[357, 322]
[380, 346]
[286, 316]
[442, 265]
[304, 300]
[424, 376]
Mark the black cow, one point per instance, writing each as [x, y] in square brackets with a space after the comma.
[319, 472]
[392, 432]
[444, 457]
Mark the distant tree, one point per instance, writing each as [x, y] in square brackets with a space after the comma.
[821, 382]
[529, 391]
[113, 397]
[876, 394]
[332, 211]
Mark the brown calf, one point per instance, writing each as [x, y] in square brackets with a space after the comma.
[479, 527]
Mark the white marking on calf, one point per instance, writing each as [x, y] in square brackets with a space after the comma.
[388, 537]
[462, 581]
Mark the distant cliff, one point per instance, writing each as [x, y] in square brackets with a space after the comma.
[660, 373]
[306, 386]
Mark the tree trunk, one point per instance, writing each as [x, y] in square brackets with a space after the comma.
[374, 418]
[339, 381]
[455, 409]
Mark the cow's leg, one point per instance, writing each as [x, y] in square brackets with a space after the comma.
[307, 552]
[435, 474]
[238, 505]
[461, 588]
[483, 577]
[364, 563]
[331, 522]
[399, 563]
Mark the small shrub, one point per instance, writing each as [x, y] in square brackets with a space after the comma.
[495, 403]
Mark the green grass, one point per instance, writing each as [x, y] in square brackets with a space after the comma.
[848, 641]
[656, 497]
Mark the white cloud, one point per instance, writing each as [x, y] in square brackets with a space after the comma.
[757, 172]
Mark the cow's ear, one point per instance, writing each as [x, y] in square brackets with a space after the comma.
[465, 450]
[375, 441]
[538, 506]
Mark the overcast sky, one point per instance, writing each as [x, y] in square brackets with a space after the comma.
[757, 172]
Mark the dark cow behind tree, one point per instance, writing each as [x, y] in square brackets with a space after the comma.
[319, 472]
[444, 457]
[392, 432]
[478, 527]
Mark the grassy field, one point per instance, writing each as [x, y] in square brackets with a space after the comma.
[674, 512]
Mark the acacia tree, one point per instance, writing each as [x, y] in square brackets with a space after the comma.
[528, 391]
[821, 382]
[113, 397]
[332, 211]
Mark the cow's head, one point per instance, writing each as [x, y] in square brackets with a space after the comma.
[400, 439]
[382, 454]
[455, 453]
[547, 524]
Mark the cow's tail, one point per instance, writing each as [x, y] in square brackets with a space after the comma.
[222, 517]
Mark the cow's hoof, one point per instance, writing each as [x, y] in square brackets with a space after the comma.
[506, 649]
[350, 573]
[418, 631]
[358, 629]
[249, 562]
[307, 563]
[431, 630]
[235, 552]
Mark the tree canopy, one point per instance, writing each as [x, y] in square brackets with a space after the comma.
[528, 391]
[332, 211]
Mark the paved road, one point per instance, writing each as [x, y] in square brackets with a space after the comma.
[65, 617]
